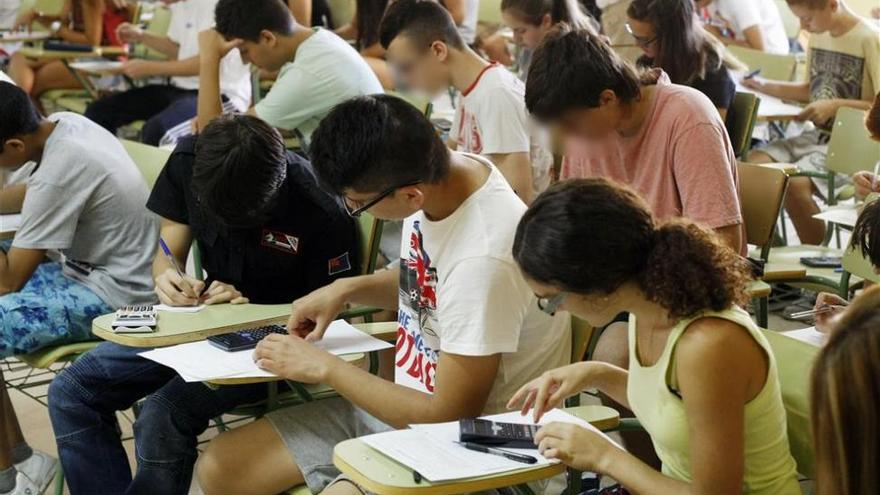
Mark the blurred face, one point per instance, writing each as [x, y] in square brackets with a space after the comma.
[525, 34]
[392, 204]
[644, 35]
[596, 310]
[420, 68]
[14, 155]
[592, 123]
[265, 53]
[815, 20]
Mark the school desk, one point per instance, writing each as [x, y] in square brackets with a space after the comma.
[380, 474]
[23, 36]
[66, 57]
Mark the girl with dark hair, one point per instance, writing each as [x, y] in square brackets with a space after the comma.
[531, 20]
[364, 31]
[672, 39]
[702, 377]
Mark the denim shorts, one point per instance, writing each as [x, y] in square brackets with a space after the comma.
[50, 309]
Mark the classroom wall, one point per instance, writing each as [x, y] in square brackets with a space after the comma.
[863, 7]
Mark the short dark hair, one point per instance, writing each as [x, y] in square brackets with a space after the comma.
[571, 68]
[17, 113]
[246, 19]
[866, 234]
[240, 165]
[424, 21]
[679, 265]
[372, 143]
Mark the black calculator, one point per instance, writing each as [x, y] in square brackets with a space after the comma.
[485, 432]
[245, 339]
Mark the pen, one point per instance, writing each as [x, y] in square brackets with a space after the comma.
[751, 74]
[513, 456]
[173, 261]
[812, 312]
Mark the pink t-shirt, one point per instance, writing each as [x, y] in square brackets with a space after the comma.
[681, 161]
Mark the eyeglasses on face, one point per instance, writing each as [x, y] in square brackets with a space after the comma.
[640, 40]
[550, 305]
[364, 206]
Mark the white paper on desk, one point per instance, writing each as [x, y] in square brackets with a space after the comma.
[96, 65]
[179, 309]
[10, 223]
[770, 105]
[842, 215]
[201, 361]
[431, 450]
[809, 335]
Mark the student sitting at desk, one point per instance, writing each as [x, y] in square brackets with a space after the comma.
[756, 24]
[363, 31]
[843, 59]
[490, 118]
[470, 330]
[268, 234]
[85, 199]
[164, 106]
[318, 69]
[90, 22]
[702, 378]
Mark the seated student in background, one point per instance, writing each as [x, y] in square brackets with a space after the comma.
[755, 24]
[844, 68]
[164, 106]
[490, 117]
[470, 328]
[844, 394]
[673, 40]
[85, 200]
[364, 31]
[319, 70]
[531, 20]
[311, 12]
[664, 140]
[91, 22]
[719, 432]
[268, 234]
[866, 182]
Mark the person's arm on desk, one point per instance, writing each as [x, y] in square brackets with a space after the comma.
[142, 69]
[17, 266]
[130, 33]
[794, 91]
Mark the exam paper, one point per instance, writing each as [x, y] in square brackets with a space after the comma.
[179, 309]
[96, 66]
[431, 450]
[201, 361]
[770, 106]
[845, 215]
[809, 335]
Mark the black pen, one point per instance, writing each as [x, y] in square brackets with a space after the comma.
[752, 74]
[513, 456]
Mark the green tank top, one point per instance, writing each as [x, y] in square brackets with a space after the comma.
[769, 467]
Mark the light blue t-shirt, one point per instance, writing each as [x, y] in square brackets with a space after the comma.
[325, 72]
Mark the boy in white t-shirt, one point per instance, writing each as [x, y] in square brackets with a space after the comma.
[164, 106]
[317, 69]
[469, 329]
[754, 24]
[491, 118]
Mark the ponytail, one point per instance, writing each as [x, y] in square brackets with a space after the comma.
[567, 11]
[688, 271]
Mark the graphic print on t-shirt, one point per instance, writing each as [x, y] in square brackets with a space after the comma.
[835, 75]
[469, 139]
[416, 358]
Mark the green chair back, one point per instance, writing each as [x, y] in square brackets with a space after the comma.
[741, 118]
[47, 6]
[343, 11]
[370, 237]
[423, 105]
[149, 159]
[794, 361]
[851, 148]
[490, 12]
[581, 335]
[761, 192]
[156, 19]
[773, 66]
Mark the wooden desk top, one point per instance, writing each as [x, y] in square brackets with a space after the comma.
[180, 328]
[382, 475]
[99, 51]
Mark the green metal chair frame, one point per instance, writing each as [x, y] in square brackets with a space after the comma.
[741, 118]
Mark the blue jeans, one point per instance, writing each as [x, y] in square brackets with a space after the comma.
[50, 309]
[83, 401]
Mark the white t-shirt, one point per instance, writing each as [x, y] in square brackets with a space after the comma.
[468, 27]
[190, 17]
[491, 118]
[743, 14]
[461, 292]
[325, 71]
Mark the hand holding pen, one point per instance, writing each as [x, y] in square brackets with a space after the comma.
[828, 306]
[174, 287]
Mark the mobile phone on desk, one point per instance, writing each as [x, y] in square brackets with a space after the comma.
[822, 261]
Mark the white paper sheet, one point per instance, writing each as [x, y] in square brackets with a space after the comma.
[96, 66]
[770, 106]
[179, 309]
[10, 223]
[845, 215]
[809, 335]
[432, 452]
[201, 361]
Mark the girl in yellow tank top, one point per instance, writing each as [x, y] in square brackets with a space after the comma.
[702, 378]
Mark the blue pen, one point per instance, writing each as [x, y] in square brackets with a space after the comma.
[752, 74]
[173, 262]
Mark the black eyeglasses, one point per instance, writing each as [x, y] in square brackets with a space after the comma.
[638, 39]
[373, 202]
[549, 305]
